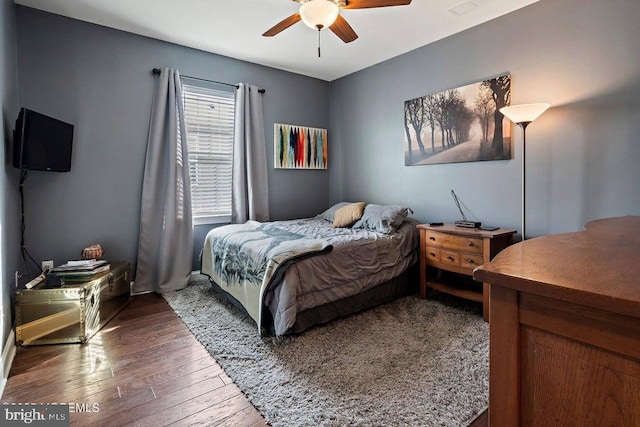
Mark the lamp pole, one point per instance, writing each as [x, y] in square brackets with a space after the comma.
[522, 115]
[524, 125]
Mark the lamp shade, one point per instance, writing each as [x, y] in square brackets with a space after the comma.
[319, 13]
[524, 113]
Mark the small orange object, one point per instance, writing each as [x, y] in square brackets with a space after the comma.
[92, 252]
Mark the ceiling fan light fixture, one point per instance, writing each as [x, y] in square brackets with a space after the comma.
[319, 13]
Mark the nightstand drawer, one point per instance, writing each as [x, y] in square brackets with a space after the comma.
[432, 254]
[449, 257]
[470, 261]
[452, 241]
[464, 260]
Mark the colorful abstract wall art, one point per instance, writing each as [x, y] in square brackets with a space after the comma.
[299, 147]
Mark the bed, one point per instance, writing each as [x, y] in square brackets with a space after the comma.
[290, 275]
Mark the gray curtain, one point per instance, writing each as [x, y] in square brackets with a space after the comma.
[165, 247]
[250, 193]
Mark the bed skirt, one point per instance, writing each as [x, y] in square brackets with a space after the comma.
[403, 285]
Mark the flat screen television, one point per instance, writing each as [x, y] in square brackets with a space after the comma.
[41, 142]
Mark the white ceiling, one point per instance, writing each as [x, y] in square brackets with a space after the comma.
[234, 28]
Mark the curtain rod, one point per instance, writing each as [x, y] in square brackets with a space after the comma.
[156, 71]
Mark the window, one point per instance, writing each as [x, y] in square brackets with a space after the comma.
[209, 115]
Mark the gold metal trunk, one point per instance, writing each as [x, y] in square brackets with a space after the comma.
[74, 312]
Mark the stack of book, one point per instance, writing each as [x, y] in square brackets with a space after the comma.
[82, 270]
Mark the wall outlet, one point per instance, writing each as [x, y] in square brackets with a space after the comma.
[47, 264]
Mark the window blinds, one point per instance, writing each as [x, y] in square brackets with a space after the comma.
[209, 116]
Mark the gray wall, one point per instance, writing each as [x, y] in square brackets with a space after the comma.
[9, 218]
[582, 155]
[100, 80]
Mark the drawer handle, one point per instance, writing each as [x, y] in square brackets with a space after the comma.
[432, 238]
[471, 244]
[432, 254]
[450, 258]
[470, 261]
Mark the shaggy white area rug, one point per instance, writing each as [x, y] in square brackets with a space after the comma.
[410, 362]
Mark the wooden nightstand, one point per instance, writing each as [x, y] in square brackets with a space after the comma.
[460, 250]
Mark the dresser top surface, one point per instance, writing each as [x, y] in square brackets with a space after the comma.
[597, 267]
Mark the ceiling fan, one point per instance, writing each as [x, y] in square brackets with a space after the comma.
[319, 14]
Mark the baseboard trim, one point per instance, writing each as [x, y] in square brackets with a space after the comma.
[8, 354]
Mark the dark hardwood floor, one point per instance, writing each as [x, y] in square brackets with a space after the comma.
[481, 421]
[143, 368]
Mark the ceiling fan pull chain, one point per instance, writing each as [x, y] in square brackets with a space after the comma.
[319, 28]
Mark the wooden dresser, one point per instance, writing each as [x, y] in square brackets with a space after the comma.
[447, 248]
[565, 328]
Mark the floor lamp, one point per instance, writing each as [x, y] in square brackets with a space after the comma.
[523, 115]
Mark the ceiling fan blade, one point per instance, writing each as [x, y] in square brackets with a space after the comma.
[282, 25]
[342, 29]
[365, 4]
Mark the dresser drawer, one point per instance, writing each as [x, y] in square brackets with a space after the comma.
[452, 241]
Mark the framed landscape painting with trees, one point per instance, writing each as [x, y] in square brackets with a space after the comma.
[459, 125]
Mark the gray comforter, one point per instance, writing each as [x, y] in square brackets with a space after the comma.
[360, 259]
[245, 259]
